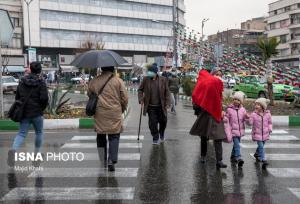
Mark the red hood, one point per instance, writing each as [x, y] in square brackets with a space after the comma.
[208, 94]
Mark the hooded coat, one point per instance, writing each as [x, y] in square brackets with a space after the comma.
[261, 125]
[236, 118]
[112, 102]
[38, 99]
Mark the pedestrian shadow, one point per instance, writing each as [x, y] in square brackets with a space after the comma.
[261, 194]
[209, 184]
[154, 183]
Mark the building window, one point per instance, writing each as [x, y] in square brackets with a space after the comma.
[16, 22]
[283, 38]
[275, 12]
[272, 26]
[288, 8]
[298, 5]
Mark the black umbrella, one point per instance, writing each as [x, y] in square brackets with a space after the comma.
[98, 58]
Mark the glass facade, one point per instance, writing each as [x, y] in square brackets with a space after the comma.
[103, 20]
[119, 4]
[51, 34]
[70, 23]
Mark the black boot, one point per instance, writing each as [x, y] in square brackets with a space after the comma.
[221, 165]
[240, 163]
[11, 158]
[256, 156]
[111, 166]
[264, 165]
[203, 159]
[232, 159]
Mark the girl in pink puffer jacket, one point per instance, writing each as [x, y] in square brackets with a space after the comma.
[261, 121]
[235, 118]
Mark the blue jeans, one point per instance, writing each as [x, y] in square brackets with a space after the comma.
[37, 123]
[236, 150]
[260, 150]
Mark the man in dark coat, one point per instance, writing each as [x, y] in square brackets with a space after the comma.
[154, 95]
[34, 85]
[174, 89]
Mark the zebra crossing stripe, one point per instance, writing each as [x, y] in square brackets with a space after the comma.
[285, 172]
[275, 137]
[69, 193]
[282, 157]
[94, 145]
[83, 172]
[272, 145]
[121, 156]
[295, 191]
[93, 137]
[274, 131]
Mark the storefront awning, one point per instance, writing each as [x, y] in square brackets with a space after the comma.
[14, 69]
[69, 68]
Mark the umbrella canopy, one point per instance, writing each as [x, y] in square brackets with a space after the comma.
[98, 58]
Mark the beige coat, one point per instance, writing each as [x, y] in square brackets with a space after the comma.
[111, 104]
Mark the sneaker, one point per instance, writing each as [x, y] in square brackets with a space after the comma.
[162, 138]
[203, 159]
[221, 165]
[155, 142]
[240, 162]
[264, 165]
[11, 158]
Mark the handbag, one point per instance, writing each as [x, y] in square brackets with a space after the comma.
[16, 111]
[91, 105]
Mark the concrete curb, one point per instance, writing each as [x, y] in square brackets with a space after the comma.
[52, 124]
[72, 91]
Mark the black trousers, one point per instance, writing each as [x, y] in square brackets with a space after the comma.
[113, 147]
[157, 117]
[218, 148]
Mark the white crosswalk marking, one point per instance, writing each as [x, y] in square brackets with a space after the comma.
[69, 193]
[85, 172]
[82, 193]
[274, 131]
[295, 191]
[285, 172]
[94, 145]
[282, 157]
[271, 145]
[121, 156]
[93, 137]
[275, 137]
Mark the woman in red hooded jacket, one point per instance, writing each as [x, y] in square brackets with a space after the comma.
[207, 98]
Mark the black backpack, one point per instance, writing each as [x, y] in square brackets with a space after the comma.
[16, 110]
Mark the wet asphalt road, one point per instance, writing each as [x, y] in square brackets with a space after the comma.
[168, 173]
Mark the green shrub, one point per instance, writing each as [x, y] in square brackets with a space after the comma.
[188, 86]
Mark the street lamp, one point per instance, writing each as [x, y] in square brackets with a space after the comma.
[28, 2]
[203, 21]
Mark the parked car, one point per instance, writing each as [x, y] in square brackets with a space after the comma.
[9, 83]
[255, 87]
[79, 79]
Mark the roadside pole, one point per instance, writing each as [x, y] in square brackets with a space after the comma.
[1, 87]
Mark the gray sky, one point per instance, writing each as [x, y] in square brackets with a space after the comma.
[223, 14]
